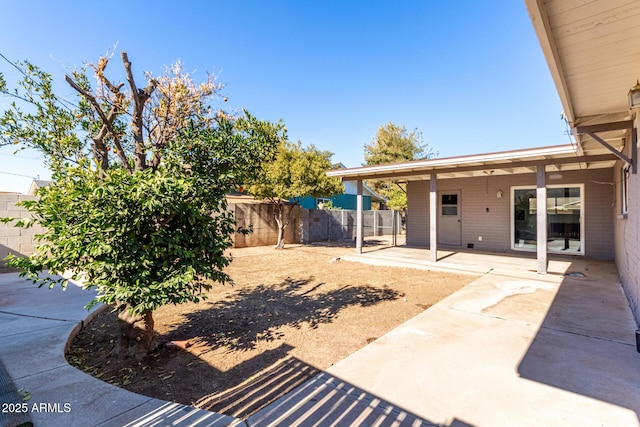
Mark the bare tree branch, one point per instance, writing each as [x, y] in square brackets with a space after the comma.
[100, 148]
[92, 100]
[99, 70]
[140, 97]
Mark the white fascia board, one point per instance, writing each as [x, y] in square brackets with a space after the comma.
[542, 26]
[431, 164]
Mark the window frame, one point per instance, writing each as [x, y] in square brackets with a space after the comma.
[583, 239]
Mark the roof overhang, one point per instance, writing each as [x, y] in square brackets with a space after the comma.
[555, 158]
[593, 52]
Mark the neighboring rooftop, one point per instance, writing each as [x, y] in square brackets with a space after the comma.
[36, 185]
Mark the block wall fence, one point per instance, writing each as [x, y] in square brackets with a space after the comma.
[305, 226]
[15, 240]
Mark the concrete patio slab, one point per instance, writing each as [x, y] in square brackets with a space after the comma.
[467, 262]
[511, 348]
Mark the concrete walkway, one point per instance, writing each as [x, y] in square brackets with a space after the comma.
[35, 326]
[511, 348]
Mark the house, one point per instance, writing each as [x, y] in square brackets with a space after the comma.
[580, 199]
[36, 184]
[347, 200]
[593, 52]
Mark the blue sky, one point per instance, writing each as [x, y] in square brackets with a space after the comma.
[469, 75]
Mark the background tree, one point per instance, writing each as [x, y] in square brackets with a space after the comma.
[295, 173]
[137, 205]
[393, 144]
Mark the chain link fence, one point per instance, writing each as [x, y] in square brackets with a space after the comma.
[331, 225]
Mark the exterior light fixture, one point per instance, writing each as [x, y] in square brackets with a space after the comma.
[634, 96]
[499, 194]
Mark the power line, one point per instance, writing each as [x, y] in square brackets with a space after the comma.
[62, 102]
[13, 64]
[17, 174]
[22, 157]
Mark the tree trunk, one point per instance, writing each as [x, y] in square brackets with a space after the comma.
[279, 215]
[139, 97]
[280, 244]
[137, 336]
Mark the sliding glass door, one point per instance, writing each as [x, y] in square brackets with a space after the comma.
[564, 213]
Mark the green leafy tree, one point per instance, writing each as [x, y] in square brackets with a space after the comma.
[394, 144]
[137, 208]
[296, 172]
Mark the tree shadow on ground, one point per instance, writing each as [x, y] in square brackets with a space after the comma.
[249, 316]
[246, 326]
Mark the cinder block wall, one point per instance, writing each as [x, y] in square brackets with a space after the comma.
[17, 241]
[305, 226]
[20, 241]
[260, 218]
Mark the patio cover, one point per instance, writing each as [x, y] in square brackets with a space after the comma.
[593, 52]
[535, 160]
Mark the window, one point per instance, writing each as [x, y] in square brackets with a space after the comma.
[564, 219]
[449, 204]
[323, 203]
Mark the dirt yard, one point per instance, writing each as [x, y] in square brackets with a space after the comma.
[289, 314]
